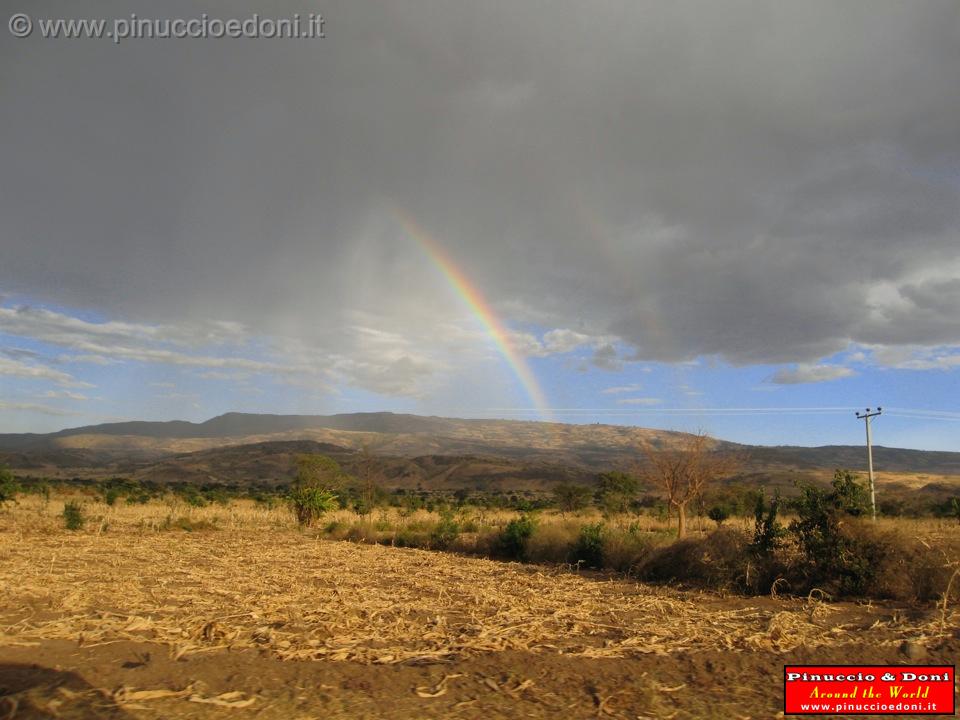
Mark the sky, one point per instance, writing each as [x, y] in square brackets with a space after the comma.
[737, 217]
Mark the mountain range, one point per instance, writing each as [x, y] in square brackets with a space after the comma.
[423, 452]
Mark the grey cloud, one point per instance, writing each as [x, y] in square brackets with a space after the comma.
[688, 178]
[563, 340]
[810, 373]
[605, 357]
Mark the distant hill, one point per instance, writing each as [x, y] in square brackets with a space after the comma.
[272, 463]
[237, 425]
[423, 451]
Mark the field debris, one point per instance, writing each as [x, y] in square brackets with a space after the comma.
[436, 690]
[298, 598]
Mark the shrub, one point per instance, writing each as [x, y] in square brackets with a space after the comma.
[616, 491]
[719, 560]
[138, 498]
[8, 487]
[553, 542]
[513, 540]
[335, 527]
[768, 532]
[408, 537]
[361, 532]
[844, 558]
[625, 551]
[72, 515]
[218, 495]
[446, 531]
[718, 513]
[570, 498]
[884, 564]
[267, 500]
[309, 503]
[110, 496]
[192, 497]
[589, 547]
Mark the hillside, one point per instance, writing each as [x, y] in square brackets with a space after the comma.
[423, 452]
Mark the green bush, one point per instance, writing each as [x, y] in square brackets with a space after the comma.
[334, 526]
[589, 547]
[768, 532]
[718, 513]
[72, 515]
[138, 498]
[570, 498]
[616, 491]
[835, 557]
[513, 539]
[310, 503]
[446, 531]
[191, 496]
[219, 496]
[110, 496]
[8, 487]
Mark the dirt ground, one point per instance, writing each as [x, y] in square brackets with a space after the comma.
[276, 624]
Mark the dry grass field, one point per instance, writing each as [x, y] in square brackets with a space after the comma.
[247, 616]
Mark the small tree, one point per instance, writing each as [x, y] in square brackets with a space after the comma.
[367, 489]
[683, 470]
[313, 493]
[570, 498]
[820, 529]
[617, 490]
[8, 487]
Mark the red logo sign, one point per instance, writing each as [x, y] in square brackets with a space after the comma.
[869, 690]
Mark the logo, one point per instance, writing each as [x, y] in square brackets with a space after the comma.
[869, 690]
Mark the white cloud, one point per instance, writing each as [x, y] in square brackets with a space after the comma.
[648, 401]
[67, 394]
[562, 340]
[20, 369]
[912, 357]
[619, 389]
[35, 408]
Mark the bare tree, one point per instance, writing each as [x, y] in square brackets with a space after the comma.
[366, 471]
[685, 469]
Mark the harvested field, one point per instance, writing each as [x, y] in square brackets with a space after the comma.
[272, 622]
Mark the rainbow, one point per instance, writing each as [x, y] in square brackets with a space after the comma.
[472, 297]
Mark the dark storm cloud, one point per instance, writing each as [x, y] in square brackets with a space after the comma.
[766, 182]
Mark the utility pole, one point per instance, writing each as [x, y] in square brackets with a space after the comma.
[873, 493]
